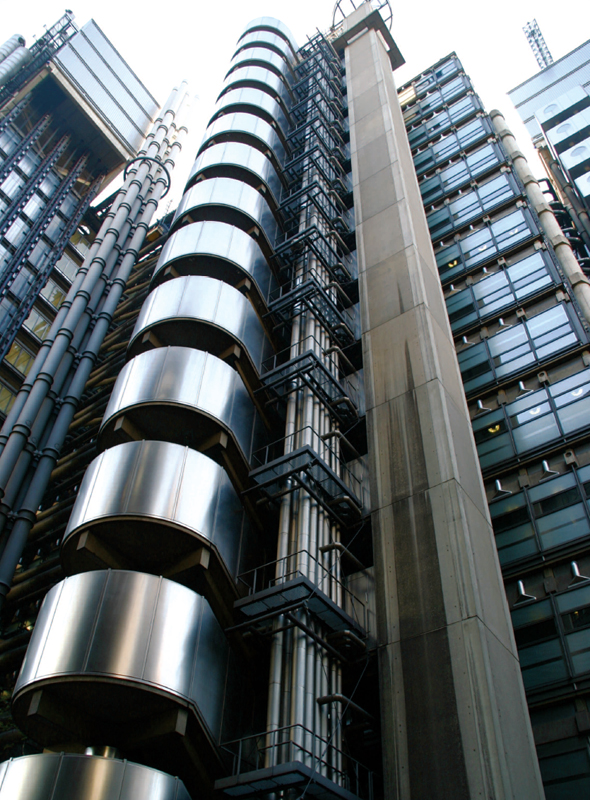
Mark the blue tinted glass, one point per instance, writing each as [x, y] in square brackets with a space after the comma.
[579, 646]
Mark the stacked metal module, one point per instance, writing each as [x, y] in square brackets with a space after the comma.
[207, 626]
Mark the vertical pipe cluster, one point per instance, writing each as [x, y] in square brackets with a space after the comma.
[315, 257]
[54, 700]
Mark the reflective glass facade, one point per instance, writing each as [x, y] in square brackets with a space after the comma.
[523, 352]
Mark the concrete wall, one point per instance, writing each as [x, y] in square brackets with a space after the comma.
[454, 715]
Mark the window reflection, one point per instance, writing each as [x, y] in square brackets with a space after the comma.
[534, 421]
[475, 249]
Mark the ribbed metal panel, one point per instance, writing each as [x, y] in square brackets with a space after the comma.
[203, 313]
[241, 161]
[253, 101]
[70, 776]
[120, 646]
[141, 500]
[216, 249]
[166, 393]
[245, 127]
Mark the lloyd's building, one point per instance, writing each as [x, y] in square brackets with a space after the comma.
[267, 540]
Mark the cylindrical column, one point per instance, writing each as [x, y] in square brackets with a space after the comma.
[563, 250]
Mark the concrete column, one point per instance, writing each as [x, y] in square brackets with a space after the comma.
[454, 715]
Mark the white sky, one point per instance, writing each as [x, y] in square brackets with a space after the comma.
[166, 42]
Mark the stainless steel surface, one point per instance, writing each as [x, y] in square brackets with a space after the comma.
[266, 39]
[272, 24]
[240, 161]
[261, 55]
[205, 314]
[241, 126]
[141, 499]
[116, 648]
[228, 200]
[254, 101]
[70, 776]
[184, 395]
[257, 78]
[218, 250]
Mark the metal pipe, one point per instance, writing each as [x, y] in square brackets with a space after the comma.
[12, 63]
[559, 242]
[52, 357]
[26, 515]
[346, 701]
[10, 46]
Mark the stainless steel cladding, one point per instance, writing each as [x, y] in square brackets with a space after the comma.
[254, 101]
[261, 56]
[218, 250]
[249, 128]
[228, 200]
[151, 504]
[257, 78]
[242, 161]
[118, 648]
[183, 395]
[270, 24]
[71, 776]
[203, 313]
[269, 40]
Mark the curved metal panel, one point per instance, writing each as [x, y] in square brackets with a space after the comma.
[218, 250]
[258, 78]
[271, 24]
[113, 648]
[240, 161]
[262, 57]
[231, 201]
[253, 101]
[71, 776]
[204, 313]
[249, 128]
[140, 498]
[272, 41]
[166, 392]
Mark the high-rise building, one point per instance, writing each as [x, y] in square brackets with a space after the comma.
[73, 113]
[554, 105]
[267, 541]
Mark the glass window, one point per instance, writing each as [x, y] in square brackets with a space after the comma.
[69, 206]
[49, 184]
[34, 207]
[20, 358]
[517, 348]
[17, 231]
[29, 163]
[534, 420]
[470, 205]
[55, 227]
[548, 515]
[455, 141]
[81, 240]
[476, 248]
[12, 185]
[7, 396]
[68, 266]
[37, 324]
[9, 141]
[565, 768]
[53, 293]
[22, 281]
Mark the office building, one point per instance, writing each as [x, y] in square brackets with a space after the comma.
[267, 536]
[73, 113]
[554, 105]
